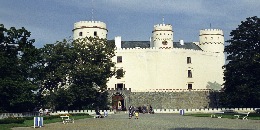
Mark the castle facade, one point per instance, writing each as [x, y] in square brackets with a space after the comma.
[160, 64]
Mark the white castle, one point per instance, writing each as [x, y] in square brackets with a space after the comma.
[162, 64]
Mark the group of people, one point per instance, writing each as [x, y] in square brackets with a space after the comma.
[98, 114]
[141, 109]
[133, 112]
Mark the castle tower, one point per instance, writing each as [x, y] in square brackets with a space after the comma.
[162, 36]
[89, 29]
[211, 40]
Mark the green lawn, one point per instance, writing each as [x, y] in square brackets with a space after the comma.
[46, 120]
[251, 116]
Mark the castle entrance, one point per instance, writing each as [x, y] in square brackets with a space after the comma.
[118, 102]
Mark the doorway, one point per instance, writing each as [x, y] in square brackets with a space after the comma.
[118, 102]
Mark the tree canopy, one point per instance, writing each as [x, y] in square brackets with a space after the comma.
[77, 72]
[67, 74]
[241, 75]
[17, 69]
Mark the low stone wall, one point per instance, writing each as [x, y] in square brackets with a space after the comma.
[171, 100]
[92, 112]
[168, 99]
[25, 114]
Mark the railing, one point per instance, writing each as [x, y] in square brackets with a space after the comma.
[92, 112]
[24, 114]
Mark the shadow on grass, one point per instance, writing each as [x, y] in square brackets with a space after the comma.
[204, 129]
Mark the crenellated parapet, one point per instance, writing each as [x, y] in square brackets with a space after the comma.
[162, 27]
[89, 29]
[211, 40]
[157, 49]
[86, 24]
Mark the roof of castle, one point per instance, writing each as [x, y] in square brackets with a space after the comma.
[146, 44]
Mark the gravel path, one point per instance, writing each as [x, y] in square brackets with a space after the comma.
[154, 122]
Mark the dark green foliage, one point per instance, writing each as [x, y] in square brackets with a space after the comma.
[12, 120]
[120, 73]
[65, 75]
[18, 58]
[75, 73]
[242, 84]
[51, 117]
[79, 114]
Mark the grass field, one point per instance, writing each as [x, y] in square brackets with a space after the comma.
[47, 120]
[251, 116]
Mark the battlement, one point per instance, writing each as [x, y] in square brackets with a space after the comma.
[157, 49]
[211, 32]
[172, 90]
[161, 25]
[82, 24]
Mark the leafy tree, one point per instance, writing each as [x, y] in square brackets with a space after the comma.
[242, 84]
[18, 59]
[77, 72]
[56, 64]
[93, 68]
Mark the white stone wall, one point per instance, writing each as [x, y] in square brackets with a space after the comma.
[211, 40]
[154, 69]
[88, 28]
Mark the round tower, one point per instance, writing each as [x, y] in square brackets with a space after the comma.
[211, 40]
[162, 36]
[89, 29]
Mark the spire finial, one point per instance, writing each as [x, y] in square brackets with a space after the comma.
[92, 11]
[163, 19]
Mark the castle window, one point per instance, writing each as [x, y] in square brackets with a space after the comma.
[95, 33]
[206, 38]
[188, 60]
[189, 86]
[189, 74]
[80, 33]
[119, 59]
[120, 86]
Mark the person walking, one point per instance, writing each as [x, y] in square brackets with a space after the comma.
[130, 111]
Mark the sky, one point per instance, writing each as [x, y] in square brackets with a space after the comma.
[53, 20]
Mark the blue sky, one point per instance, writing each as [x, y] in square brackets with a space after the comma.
[52, 20]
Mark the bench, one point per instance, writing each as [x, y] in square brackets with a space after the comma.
[245, 115]
[66, 119]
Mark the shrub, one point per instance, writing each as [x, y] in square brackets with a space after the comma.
[79, 114]
[12, 120]
[257, 111]
[51, 117]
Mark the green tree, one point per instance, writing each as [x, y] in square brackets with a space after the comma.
[77, 72]
[93, 68]
[242, 84]
[56, 64]
[18, 59]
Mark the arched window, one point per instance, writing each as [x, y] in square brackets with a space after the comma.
[80, 33]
